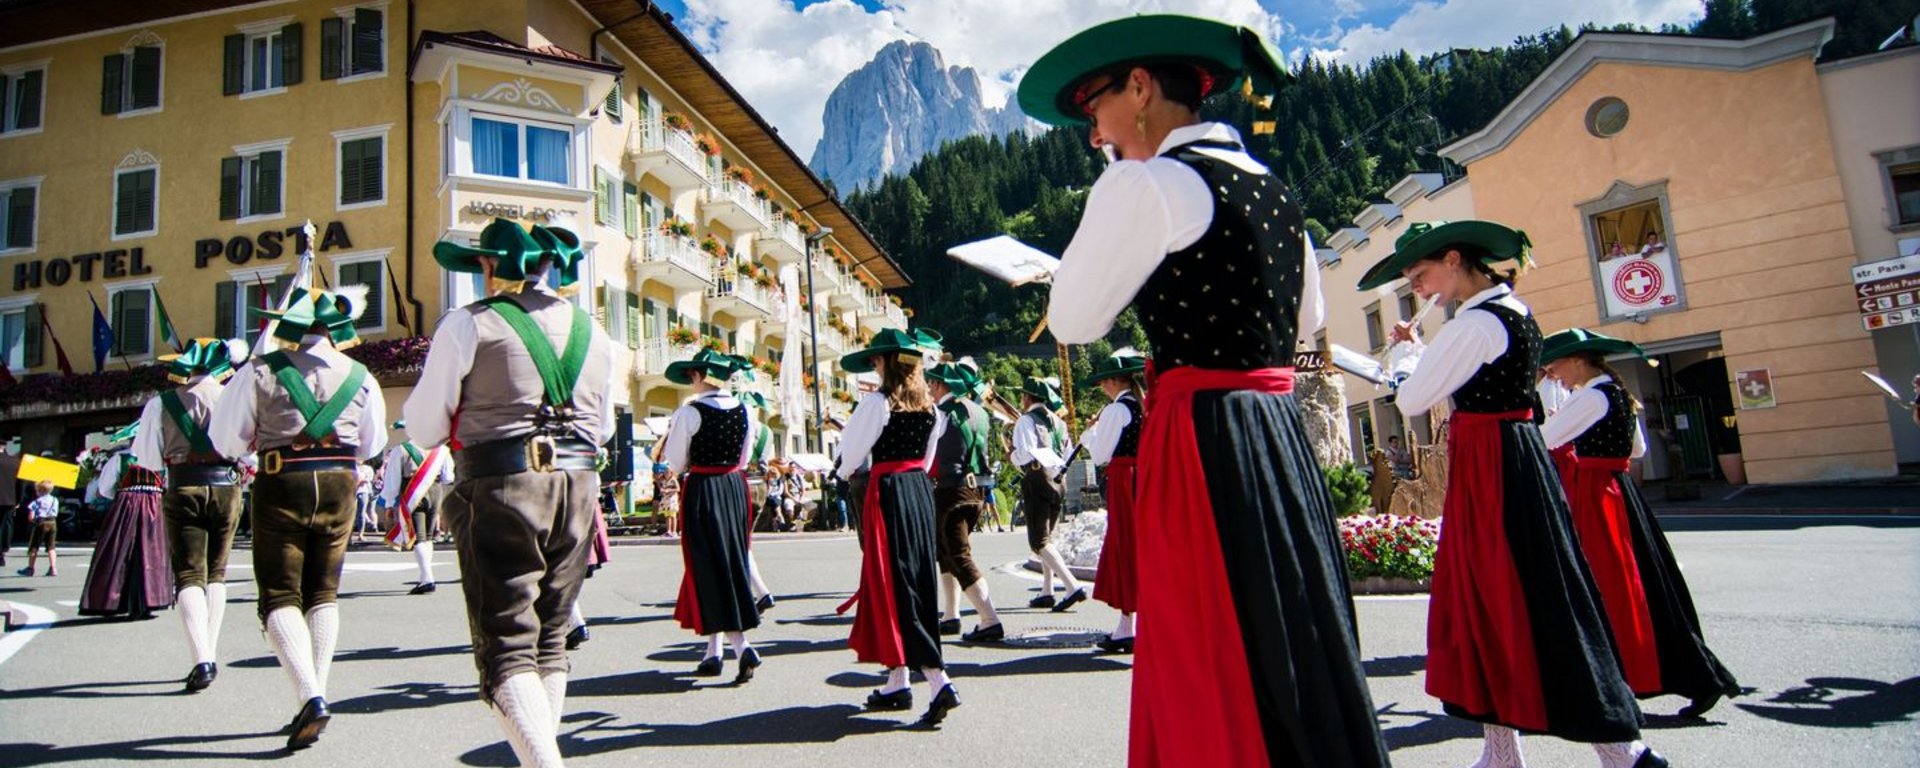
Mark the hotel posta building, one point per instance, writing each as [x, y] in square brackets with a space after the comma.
[163, 156]
[1737, 207]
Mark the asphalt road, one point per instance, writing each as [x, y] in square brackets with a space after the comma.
[1821, 618]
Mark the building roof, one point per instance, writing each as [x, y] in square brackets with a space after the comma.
[649, 31]
[1591, 49]
[32, 21]
[488, 42]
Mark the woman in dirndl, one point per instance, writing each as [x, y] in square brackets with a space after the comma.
[897, 619]
[131, 573]
[1648, 604]
[1113, 443]
[1516, 638]
[1250, 655]
[707, 443]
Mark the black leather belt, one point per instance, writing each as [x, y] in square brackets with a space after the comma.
[196, 475]
[274, 461]
[534, 453]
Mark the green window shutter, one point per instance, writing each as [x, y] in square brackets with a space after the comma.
[613, 105]
[333, 48]
[601, 197]
[124, 220]
[230, 187]
[113, 74]
[226, 316]
[350, 170]
[233, 69]
[632, 199]
[32, 354]
[368, 34]
[19, 232]
[146, 77]
[367, 273]
[372, 165]
[290, 53]
[131, 329]
[633, 321]
[145, 206]
[266, 184]
[116, 307]
[27, 108]
[4, 102]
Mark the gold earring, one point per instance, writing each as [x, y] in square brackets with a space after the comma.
[1140, 122]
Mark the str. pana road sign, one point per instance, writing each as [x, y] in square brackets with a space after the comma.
[1888, 293]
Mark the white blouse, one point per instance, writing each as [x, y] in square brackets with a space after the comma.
[686, 421]
[869, 419]
[1584, 408]
[1470, 340]
[1104, 436]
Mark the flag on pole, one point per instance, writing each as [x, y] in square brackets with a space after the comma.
[399, 301]
[401, 535]
[102, 335]
[167, 334]
[302, 279]
[59, 352]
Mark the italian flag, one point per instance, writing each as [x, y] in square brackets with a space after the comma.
[167, 334]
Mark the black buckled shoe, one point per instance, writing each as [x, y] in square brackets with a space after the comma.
[1651, 759]
[1110, 645]
[423, 589]
[1073, 598]
[749, 662]
[201, 676]
[990, 634]
[309, 723]
[947, 699]
[1043, 601]
[950, 626]
[577, 636]
[764, 604]
[896, 701]
[1699, 706]
[709, 667]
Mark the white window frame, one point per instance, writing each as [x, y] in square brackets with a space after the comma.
[114, 212]
[267, 30]
[340, 139]
[250, 154]
[12, 73]
[1884, 161]
[459, 122]
[346, 40]
[17, 305]
[242, 280]
[151, 285]
[39, 204]
[142, 39]
[361, 257]
[451, 289]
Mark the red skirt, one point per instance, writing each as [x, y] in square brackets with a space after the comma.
[1606, 538]
[1118, 582]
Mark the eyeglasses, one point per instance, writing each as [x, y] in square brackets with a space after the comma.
[1084, 100]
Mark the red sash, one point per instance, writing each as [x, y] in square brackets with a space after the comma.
[1118, 583]
[686, 608]
[1606, 540]
[1195, 633]
[876, 625]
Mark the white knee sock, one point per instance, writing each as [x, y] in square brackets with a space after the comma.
[1046, 572]
[739, 642]
[216, 612]
[982, 603]
[293, 644]
[950, 591]
[1052, 558]
[1500, 748]
[520, 704]
[713, 646]
[423, 557]
[1619, 755]
[574, 617]
[556, 685]
[936, 679]
[193, 613]
[323, 621]
[1124, 629]
[753, 575]
[896, 680]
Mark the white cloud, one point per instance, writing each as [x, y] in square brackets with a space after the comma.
[787, 61]
[1430, 26]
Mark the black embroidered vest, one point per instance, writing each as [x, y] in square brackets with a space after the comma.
[722, 430]
[1232, 299]
[1129, 445]
[1612, 436]
[905, 436]
[1506, 384]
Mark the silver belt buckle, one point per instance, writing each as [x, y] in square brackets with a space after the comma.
[541, 453]
[972, 481]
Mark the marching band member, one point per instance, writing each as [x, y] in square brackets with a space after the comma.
[959, 468]
[1114, 445]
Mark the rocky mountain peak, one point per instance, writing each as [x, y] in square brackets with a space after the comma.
[903, 104]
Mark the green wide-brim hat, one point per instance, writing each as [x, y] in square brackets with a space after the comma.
[1425, 238]
[1118, 364]
[755, 399]
[517, 251]
[1044, 390]
[955, 377]
[1573, 341]
[1228, 55]
[563, 247]
[705, 363]
[329, 312]
[125, 433]
[916, 342]
[202, 357]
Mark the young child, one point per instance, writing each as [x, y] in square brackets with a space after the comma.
[44, 513]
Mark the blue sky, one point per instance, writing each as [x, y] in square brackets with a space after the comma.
[786, 56]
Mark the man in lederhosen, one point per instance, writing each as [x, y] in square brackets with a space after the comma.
[959, 498]
[313, 415]
[402, 464]
[202, 500]
[1040, 489]
[528, 376]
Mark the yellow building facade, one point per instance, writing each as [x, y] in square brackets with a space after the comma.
[166, 165]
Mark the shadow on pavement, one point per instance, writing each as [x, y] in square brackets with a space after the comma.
[1842, 702]
[644, 683]
[139, 749]
[1735, 522]
[87, 691]
[1027, 665]
[1427, 728]
[406, 696]
[691, 653]
[793, 725]
[1395, 666]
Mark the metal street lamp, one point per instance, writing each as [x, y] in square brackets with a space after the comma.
[813, 342]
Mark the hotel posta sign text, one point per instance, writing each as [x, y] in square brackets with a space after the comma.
[129, 262]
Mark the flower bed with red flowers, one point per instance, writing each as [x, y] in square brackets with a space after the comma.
[1389, 546]
[109, 385]
[388, 357]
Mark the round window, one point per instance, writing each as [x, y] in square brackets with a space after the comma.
[1607, 117]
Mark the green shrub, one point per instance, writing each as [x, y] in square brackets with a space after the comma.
[1348, 486]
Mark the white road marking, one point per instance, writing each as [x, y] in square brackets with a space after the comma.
[38, 619]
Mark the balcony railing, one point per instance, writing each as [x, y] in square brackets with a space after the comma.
[783, 242]
[734, 204]
[668, 153]
[656, 354]
[674, 260]
[733, 292]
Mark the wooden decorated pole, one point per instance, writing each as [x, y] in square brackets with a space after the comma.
[1066, 385]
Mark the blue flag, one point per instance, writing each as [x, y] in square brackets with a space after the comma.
[102, 335]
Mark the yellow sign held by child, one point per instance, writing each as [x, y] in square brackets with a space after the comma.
[36, 468]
